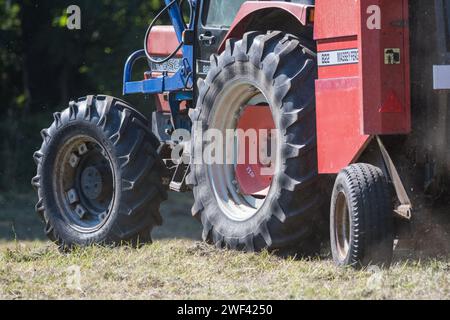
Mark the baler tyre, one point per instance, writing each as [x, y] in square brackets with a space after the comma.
[361, 221]
[284, 72]
[98, 175]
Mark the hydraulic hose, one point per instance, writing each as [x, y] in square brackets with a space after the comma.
[152, 24]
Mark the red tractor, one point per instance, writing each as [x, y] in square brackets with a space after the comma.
[354, 89]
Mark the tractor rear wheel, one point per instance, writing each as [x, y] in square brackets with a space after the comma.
[98, 175]
[264, 81]
[361, 221]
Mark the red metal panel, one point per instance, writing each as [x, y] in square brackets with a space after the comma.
[348, 70]
[338, 90]
[250, 8]
[386, 87]
[336, 18]
[338, 125]
[162, 41]
[358, 93]
[162, 104]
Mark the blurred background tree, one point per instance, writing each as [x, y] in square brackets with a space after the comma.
[43, 65]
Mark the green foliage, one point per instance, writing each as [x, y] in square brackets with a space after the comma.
[43, 65]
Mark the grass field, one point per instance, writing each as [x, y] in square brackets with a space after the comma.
[179, 266]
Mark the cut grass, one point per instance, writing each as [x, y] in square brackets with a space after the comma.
[185, 269]
[178, 266]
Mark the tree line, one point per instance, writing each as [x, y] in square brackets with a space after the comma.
[43, 65]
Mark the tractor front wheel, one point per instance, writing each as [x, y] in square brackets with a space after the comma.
[98, 175]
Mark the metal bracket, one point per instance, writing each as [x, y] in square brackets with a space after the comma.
[405, 208]
[178, 183]
[183, 78]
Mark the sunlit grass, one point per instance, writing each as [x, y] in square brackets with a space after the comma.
[185, 269]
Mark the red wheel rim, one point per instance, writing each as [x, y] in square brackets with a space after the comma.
[252, 178]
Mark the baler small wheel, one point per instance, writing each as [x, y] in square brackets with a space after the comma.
[361, 222]
[98, 175]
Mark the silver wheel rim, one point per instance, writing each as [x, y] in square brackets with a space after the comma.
[78, 184]
[234, 205]
[342, 226]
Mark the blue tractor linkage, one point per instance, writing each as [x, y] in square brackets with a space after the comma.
[180, 84]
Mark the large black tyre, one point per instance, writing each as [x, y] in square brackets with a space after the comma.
[285, 73]
[130, 155]
[361, 222]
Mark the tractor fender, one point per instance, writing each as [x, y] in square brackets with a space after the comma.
[252, 10]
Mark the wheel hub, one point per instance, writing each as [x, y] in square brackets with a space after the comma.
[252, 179]
[91, 183]
[342, 226]
[85, 183]
[242, 185]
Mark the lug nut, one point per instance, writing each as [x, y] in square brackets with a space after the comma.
[74, 160]
[82, 149]
[73, 196]
[80, 211]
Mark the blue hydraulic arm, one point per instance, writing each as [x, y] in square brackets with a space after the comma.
[183, 78]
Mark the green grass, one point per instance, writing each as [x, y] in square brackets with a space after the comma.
[179, 266]
[184, 269]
